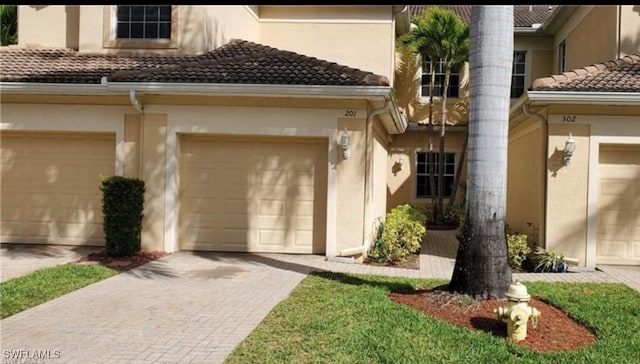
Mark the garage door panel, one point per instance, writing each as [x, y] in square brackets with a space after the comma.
[51, 187]
[618, 205]
[267, 189]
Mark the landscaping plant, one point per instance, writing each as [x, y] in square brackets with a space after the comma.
[401, 234]
[517, 248]
[122, 206]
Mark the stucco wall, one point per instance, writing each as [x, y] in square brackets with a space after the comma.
[567, 187]
[525, 180]
[629, 29]
[594, 39]
[401, 183]
[378, 200]
[541, 64]
[48, 25]
[356, 36]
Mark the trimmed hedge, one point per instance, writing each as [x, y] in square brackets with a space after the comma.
[122, 206]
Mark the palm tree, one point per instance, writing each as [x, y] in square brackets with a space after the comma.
[423, 42]
[438, 35]
[453, 51]
[482, 268]
[8, 24]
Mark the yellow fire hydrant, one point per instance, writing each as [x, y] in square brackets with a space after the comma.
[517, 312]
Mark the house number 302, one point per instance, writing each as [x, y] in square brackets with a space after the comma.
[350, 113]
[568, 118]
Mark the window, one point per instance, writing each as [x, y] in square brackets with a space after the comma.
[143, 22]
[454, 79]
[141, 26]
[517, 76]
[562, 56]
[423, 188]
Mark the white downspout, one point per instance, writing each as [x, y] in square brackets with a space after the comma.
[367, 185]
[135, 102]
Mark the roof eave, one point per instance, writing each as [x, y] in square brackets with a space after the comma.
[581, 97]
[203, 89]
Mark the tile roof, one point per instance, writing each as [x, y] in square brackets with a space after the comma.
[237, 62]
[523, 15]
[619, 75]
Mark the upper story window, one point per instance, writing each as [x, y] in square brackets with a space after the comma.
[143, 22]
[454, 79]
[518, 73]
[562, 56]
[141, 26]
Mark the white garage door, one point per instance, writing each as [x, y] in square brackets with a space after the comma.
[50, 187]
[253, 194]
[619, 205]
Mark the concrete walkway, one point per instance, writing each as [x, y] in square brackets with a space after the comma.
[197, 307]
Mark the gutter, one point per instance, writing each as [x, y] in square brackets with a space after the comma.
[578, 97]
[212, 89]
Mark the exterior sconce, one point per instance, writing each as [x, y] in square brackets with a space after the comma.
[344, 143]
[400, 163]
[569, 148]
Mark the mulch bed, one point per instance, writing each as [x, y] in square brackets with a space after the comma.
[121, 264]
[554, 331]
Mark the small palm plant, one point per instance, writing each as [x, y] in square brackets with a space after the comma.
[549, 260]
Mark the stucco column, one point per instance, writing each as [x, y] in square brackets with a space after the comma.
[153, 166]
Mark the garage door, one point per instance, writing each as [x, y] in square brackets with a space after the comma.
[619, 205]
[253, 195]
[50, 187]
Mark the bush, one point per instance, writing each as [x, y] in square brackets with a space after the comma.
[548, 260]
[517, 248]
[122, 206]
[400, 235]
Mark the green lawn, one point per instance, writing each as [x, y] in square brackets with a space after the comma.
[338, 318]
[21, 293]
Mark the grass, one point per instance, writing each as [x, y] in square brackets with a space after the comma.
[339, 318]
[21, 293]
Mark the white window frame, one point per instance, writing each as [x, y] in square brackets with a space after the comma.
[110, 39]
[562, 56]
[426, 173]
[439, 67]
[523, 74]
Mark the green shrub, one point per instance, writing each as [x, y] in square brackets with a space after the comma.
[518, 249]
[548, 260]
[401, 234]
[122, 205]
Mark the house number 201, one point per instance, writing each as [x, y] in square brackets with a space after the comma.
[568, 118]
[350, 113]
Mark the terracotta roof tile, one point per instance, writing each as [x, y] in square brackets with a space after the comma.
[238, 62]
[618, 75]
[523, 15]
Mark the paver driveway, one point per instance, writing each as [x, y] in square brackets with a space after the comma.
[183, 308]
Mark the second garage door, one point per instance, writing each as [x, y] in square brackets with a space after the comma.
[50, 187]
[253, 194]
[619, 205]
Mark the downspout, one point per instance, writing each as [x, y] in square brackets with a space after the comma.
[140, 109]
[545, 143]
[360, 249]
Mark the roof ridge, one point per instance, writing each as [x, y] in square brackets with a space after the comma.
[586, 71]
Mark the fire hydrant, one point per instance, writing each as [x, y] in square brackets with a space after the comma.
[517, 312]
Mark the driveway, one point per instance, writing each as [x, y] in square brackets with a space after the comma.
[20, 259]
[183, 308]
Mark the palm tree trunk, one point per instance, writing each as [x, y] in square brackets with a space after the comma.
[456, 178]
[482, 268]
[430, 164]
[440, 203]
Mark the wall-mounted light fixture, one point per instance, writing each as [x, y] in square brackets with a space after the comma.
[400, 163]
[569, 148]
[345, 140]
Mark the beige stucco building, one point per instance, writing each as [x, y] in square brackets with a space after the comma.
[234, 118]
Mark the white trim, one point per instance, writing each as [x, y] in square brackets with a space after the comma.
[577, 97]
[171, 193]
[214, 89]
[324, 21]
[332, 193]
